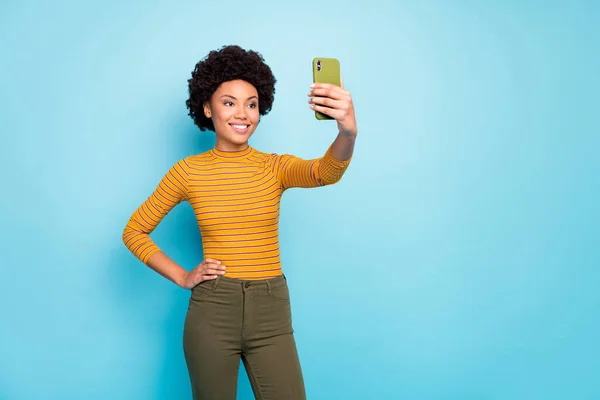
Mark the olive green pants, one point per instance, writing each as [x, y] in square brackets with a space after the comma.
[229, 320]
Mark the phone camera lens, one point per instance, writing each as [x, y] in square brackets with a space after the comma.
[318, 65]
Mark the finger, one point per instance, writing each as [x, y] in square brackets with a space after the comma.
[198, 275]
[212, 265]
[217, 267]
[209, 277]
[206, 265]
[215, 271]
[333, 92]
[333, 113]
[341, 82]
[327, 102]
[210, 260]
[323, 85]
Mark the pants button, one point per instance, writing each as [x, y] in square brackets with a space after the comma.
[247, 285]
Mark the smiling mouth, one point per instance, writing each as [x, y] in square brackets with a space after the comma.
[240, 128]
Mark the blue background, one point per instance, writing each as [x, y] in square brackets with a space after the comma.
[458, 258]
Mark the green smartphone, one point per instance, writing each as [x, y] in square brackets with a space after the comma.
[326, 70]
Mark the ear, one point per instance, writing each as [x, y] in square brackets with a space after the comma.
[207, 110]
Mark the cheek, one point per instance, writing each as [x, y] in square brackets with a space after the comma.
[224, 113]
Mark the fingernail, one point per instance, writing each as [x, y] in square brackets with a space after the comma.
[313, 85]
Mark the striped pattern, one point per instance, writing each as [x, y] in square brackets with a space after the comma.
[235, 196]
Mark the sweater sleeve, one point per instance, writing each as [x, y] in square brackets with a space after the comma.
[296, 172]
[171, 190]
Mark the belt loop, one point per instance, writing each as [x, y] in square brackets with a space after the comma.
[216, 282]
[268, 286]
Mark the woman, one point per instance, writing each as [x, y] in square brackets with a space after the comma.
[239, 306]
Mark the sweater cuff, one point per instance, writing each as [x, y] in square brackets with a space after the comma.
[334, 162]
[331, 169]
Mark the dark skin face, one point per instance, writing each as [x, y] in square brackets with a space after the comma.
[233, 109]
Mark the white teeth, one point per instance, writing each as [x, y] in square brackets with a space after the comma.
[240, 127]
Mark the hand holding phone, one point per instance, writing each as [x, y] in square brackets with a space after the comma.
[326, 70]
[329, 99]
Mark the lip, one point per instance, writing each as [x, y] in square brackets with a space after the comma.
[241, 131]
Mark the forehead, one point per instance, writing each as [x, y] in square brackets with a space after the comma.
[239, 87]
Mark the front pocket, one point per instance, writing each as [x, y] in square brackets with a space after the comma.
[280, 293]
[202, 290]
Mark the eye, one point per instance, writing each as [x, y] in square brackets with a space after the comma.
[252, 105]
[228, 103]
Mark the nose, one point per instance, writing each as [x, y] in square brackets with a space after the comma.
[241, 112]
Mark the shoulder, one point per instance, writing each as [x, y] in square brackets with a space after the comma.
[272, 156]
[196, 161]
[263, 157]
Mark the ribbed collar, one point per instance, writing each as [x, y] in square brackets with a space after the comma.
[232, 155]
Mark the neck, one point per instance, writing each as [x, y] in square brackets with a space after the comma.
[232, 149]
[227, 146]
[231, 153]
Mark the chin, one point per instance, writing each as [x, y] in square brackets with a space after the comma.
[240, 140]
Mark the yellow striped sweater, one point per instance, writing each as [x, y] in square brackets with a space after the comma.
[235, 196]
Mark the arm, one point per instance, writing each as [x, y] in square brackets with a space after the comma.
[342, 147]
[171, 190]
[337, 103]
[296, 172]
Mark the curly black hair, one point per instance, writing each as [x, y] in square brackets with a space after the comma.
[226, 64]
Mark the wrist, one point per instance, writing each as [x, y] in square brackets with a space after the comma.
[181, 278]
[349, 134]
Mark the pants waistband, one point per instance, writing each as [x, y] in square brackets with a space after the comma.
[242, 284]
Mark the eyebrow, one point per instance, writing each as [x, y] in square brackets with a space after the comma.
[228, 95]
